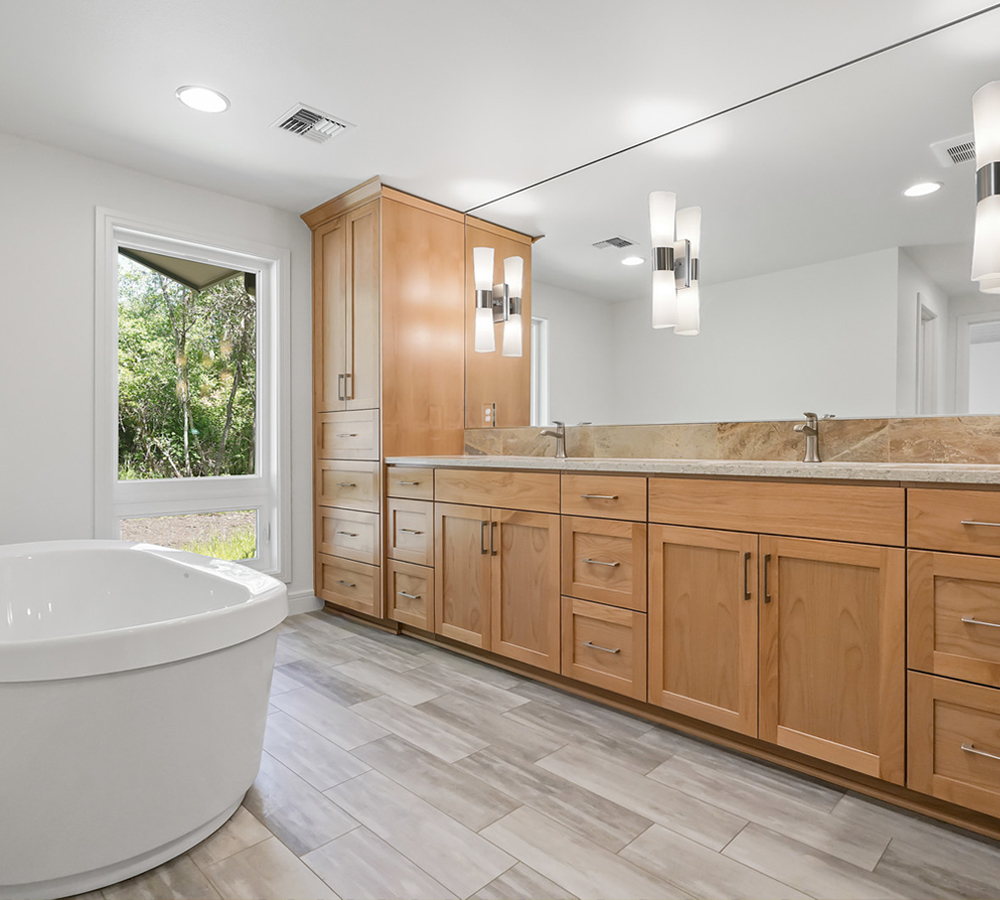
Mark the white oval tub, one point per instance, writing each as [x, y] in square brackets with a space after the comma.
[134, 686]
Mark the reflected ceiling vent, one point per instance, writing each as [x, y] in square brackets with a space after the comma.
[618, 243]
[955, 151]
[311, 123]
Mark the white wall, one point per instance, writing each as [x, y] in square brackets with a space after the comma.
[47, 220]
[984, 377]
[915, 290]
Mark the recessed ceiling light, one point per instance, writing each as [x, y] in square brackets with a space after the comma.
[922, 188]
[202, 99]
[633, 261]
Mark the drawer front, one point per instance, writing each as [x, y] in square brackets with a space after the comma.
[409, 594]
[411, 483]
[953, 615]
[352, 434]
[834, 512]
[604, 496]
[532, 491]
[351, 485]
[348, 534]
[410, 531]
[960, 521]
[349, 584]
[604, 561]
[604, 646]
[954, 741]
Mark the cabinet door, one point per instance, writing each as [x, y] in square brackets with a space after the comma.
[832, 639]
[462, 573]
[703, 625]
[525, 601]
[362, 314]
[330, 315]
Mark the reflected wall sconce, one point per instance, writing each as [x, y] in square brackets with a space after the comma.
[676, 241]
[498, 302]
[986, 244]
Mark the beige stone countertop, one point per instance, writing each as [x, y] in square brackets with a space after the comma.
[930, 473]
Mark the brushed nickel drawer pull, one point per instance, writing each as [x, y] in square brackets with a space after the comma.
[599, 496]
[348, 533]
[767, 587]
[346, 484]
[408, 482]
[340, 387]
[408, 596]
[970, 620]
[410, 531]
[974, 522]
[594, 646]
[968, 748]
[346, 583]
[597, 562]
[351, 434]
[746, 577]
[482, 537]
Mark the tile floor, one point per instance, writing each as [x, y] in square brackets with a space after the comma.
[394, 769]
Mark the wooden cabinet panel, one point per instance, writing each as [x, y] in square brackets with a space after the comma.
[348, 484]
[349, 534]
[354, 585]
[960, 521]
[604, 496]
[329, 315]
[953, 616]
[410, 482]
[410, 531]
[409, 594]
[703, 625]
[361, 333]
[832, 668]
[524, 603]
[838, 512]
[604, 646]
[954, 741]
[533, 491]
[604, 561]
[462, 573]
[347, 435]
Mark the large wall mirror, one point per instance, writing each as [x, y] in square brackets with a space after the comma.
[823, 287]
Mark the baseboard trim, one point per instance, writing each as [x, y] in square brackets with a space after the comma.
[302, 602]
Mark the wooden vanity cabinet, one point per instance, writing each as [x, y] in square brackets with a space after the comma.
[462, 573]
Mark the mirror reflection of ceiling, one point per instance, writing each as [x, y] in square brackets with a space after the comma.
[812, 174]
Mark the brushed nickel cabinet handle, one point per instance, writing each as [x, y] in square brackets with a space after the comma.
[349, 386]
[409, 531]
[493, 543]
[346, 583]
[352, 434]
[408, 482]
[345, 483]
[974, 522]
[340, 387]
[348, 533]
[482, 538]
[746, 576]
[598, 562]
[599, 496]
[408, 596]
[767, 589]
[970, 620]
[968, 748]
[594, 646]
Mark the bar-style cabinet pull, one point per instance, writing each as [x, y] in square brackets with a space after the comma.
[594, 646]
[971, 620]
[408, 482]
[409, 531]
[346, 583]
[987, 524]
[348, 386]
[408, 596]
[482, 537]
[340, 387]
[493, 542]
[348, 434]
[598, 562]
[345, 483]
[767, 589]
[599, 496]
[348, 533]
[968, 748]
[746, 576]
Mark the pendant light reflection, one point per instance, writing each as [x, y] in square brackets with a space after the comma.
[513, 276]
[676, 242]
[986, 244]
[482, 264]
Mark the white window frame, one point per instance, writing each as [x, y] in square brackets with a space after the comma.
[266, 490]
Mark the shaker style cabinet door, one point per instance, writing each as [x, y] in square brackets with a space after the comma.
[330, 266]
[703, 625]
[832, 639]
[361, 327]
[462, 573]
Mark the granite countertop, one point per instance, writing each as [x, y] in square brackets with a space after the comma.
[933, 473]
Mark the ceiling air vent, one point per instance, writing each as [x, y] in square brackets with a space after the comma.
[618, 243]
[311, 123]
[955, 151]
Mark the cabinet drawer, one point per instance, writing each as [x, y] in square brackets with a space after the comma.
[412, 483]
[352, 485]
[954, 741]
[351, 584]
[953, 615]
[859, 514]
[532, 491]
[409, 594]
[410, 531]
[960, 521]
[604, 561]
[604, 496]
[348, 534]
[604, 646]
[352, 434]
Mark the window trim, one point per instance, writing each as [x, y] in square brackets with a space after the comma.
[269, 489]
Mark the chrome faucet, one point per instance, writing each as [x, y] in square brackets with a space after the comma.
[560, 435]
[810, 428]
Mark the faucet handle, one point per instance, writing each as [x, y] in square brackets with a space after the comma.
[809, 415]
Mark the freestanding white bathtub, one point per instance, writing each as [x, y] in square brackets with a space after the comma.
[134, 686]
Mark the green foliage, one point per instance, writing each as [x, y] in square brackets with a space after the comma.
[186, 377]
[240, 544]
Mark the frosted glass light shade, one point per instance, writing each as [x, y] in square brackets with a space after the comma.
[689, 228]
[664, 300]
[688, 311]
[662, 206]
[513, 275]
[986, 245]
[512, 335]
[482, 267]
[986, 123]
[485, 340]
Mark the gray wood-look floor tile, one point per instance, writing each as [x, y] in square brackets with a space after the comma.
[700, 871]
[446, 850]
[522, 883]
[397, 658]
[240, 832]
[596, 818]
[309, 755]
[457, 681]
[702, 822]
[283, 654]
[281, 683]
[322, 624]
[476, 670]
[325, 679]
[329, 653]
[179, 879]
[327, 717]
[412, 724]
[462, 796]
[412, 687]
[590, 714]
[361, 866]
[268, 871]
[571, 861]
[90, 895]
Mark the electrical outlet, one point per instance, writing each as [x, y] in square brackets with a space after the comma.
[488, 414]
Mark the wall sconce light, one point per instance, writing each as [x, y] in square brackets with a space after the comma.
[676, 241]
[986, 244]
[498, 302]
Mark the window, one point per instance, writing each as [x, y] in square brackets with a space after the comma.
[191, 390]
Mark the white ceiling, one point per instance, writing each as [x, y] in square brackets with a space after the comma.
[458, 101]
